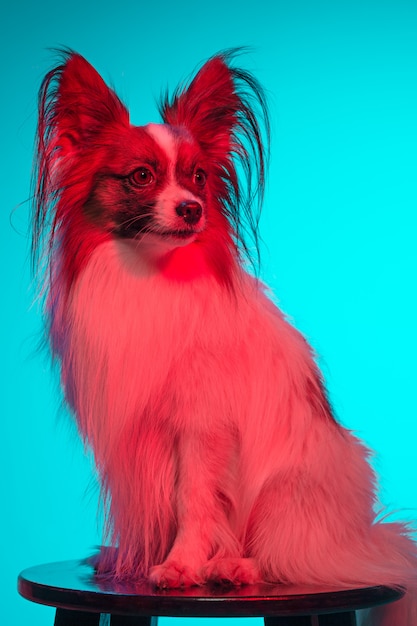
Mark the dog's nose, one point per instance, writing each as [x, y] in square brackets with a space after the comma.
[190, 211]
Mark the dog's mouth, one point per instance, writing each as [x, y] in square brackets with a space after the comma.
[167, 239]
[137, 230]
[177, 234]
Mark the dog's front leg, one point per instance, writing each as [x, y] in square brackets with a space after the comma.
[205, 461]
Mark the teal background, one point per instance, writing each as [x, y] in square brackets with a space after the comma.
[339, 226]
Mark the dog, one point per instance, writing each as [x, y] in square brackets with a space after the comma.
[218, 454]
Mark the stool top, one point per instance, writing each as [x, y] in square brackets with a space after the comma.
[72, 585]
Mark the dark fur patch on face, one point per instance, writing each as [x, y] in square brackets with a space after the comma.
[124, 195]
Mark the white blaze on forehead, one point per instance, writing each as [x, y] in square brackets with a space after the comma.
[165, 138]
[171, 193]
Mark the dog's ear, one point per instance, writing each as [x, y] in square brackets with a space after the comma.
[76, 104]
[208, 108]
[224, 108]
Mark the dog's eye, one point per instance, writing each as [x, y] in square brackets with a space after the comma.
[200, 177]
[141, 177]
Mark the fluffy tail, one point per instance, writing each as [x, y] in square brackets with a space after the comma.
[401, 613]
[401, 551]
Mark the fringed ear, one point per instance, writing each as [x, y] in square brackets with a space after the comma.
[77, 111]
[224, 108]
[75, 103]
[208, 107]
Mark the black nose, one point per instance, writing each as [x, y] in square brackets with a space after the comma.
[190, 211]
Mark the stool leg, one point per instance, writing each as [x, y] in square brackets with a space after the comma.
[330, 619]
[132, 620]
[291, 620]
[63, 617]
[338, 619]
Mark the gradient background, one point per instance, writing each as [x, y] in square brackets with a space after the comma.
[339, 226]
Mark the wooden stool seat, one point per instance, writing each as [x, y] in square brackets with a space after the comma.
[80, 598]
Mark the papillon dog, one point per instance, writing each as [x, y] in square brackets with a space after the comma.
[216, 447]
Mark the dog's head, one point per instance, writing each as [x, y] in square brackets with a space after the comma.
[169, 184]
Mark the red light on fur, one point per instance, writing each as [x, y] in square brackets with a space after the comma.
[216, 447]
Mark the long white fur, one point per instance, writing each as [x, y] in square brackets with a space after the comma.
[207, 387]
[201, 404]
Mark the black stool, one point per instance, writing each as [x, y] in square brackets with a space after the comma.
[81, 599]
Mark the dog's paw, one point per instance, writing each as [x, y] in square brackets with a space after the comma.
[231, 571]
[173, 575]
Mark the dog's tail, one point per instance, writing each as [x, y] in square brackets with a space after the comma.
[400, 613]
[395, 540]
